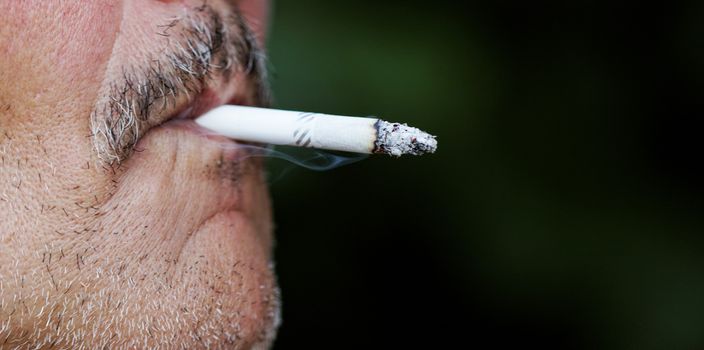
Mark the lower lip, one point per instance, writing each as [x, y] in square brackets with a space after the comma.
[218, 210]
[232, 151]
[201, 167]
[206, 184]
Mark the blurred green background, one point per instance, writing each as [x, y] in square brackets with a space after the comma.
[563, 208]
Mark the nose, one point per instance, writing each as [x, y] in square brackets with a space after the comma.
[256, 12]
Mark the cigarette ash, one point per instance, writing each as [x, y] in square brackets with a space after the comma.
[397, 139]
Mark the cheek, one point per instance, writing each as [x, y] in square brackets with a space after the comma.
[87, 31]
[60, 46]
[54, 55]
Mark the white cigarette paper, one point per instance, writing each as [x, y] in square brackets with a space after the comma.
[322, 131]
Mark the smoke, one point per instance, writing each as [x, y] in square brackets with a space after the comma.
[283, 159]
[308, 158]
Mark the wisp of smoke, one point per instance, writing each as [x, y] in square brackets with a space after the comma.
[308, 158]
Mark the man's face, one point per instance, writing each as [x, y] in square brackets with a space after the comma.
[121, 226]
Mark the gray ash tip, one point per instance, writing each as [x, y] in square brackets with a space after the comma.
[397, 139]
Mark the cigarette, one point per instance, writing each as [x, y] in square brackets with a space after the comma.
[315, 130]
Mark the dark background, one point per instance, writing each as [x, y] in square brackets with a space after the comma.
[563, 208]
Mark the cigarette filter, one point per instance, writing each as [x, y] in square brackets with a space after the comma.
[322, 131]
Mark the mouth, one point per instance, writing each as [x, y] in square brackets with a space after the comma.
[209, 98]
[210, 57]
[207, 213]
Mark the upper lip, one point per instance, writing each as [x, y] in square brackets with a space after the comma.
[209, 97]
[194, 106]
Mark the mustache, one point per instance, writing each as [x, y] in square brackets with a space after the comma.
[203, 45]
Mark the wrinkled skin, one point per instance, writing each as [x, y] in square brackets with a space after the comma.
[167, 247]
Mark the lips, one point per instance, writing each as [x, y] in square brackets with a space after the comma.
[210, 173]
[205, 101]
[198, 105]
[210, 170]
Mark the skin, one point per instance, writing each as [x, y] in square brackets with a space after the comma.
[168, 246]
